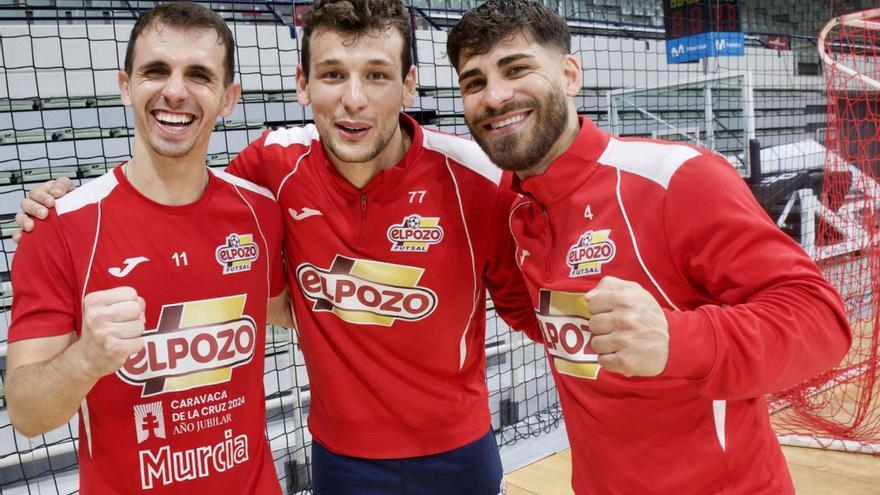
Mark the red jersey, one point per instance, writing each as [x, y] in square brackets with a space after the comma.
[388, 288]
[748, 311]
[186, 414]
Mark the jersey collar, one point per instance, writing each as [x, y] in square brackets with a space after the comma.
[173, 210]
[570, 170]
[389, 179]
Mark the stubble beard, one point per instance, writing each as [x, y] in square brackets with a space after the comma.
[525, 149]
[338, 150]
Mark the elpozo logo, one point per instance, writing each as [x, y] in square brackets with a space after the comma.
[415, 233]
[591, 250]
[565, 323]
[194, 344]
[367, 292]
[237, 254]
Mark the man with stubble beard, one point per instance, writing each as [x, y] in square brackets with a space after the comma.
[689, 303]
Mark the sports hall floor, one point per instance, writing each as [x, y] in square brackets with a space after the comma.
[815, 472]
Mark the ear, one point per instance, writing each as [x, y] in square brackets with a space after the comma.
[230, 98]
[572, 74]
[302, 87]
[409, 87]
[124, 89]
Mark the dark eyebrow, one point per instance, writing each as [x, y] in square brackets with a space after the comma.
[328, 62]
[513, 58]
[154, 65]
[332, 62]
[159, 65]
[469, 73]
[381, 62]
[202, 68]
[501, 63]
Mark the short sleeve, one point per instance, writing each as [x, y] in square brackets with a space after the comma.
[43, 284]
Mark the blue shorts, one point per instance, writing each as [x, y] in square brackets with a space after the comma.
[474, 469]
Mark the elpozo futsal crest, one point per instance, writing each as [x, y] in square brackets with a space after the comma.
[415, 234]
[565, 323]
[195, 344]
[237, 254]
[592, 249]
[367, 292]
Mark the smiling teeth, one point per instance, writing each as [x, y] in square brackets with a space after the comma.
[510, 121]
[173, 118]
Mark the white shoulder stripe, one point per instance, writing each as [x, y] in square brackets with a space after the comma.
[463, 151]
[238, 181]
[293, 135]
[657, 162]
[90, 193]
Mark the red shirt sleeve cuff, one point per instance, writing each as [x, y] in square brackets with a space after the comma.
[691, 345]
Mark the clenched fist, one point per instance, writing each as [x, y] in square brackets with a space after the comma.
[630, 331]
[113, 322]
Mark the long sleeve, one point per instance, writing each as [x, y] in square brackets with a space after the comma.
[774, 320]
[503, 278]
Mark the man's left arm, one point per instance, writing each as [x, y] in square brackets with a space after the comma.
[777, 320]
[771, 320]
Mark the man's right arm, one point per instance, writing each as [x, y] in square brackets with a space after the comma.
[45, 383]
[48, 377]
[49, 369]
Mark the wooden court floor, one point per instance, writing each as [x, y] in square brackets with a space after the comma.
[815, 472]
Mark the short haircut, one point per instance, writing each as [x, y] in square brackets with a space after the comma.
[480, 29]
[185, 16]
[355, 18]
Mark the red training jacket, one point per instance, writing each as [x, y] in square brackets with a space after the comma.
[748, 312]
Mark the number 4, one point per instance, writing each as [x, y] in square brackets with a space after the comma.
[180, 258]
[588, 213]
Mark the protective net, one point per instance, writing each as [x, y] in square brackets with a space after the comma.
[60, 115]
[840, 408]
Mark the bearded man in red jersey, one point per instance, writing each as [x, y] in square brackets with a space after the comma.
[670, 303]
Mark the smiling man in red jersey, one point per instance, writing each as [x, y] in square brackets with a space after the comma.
[142, 301]
[670, 303]
[392, 240]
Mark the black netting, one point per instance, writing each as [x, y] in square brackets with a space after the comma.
[60, 115]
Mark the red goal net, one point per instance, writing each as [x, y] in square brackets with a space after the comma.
[841, 408]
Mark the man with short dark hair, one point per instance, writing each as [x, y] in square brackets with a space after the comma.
[142, 301]
[669, 302]
[392, 241]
